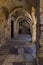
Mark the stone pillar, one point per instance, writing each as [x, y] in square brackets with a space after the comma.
[16, 28]
[34, 25]
[4, 28]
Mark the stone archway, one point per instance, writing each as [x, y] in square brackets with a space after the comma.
[18, 20]
[21, 13]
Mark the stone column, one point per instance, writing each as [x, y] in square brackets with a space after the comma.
[34, 25]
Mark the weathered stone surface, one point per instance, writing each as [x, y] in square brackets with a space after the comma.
[19, 58]
[30, 63]
[7, 63]
[20, 51]
[29, 57]
[4, 27]
[10, 4]
[10, 58]
[2, 58]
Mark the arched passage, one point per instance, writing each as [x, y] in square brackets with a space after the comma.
[20, 14]
[20, 19]
[24, 27]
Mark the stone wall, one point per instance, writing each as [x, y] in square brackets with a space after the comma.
[11, 4]
[4, 27]
[7, 7]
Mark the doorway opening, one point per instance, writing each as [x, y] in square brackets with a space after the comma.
[12, 32]
[24, 27]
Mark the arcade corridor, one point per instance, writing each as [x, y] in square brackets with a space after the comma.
[21, 32]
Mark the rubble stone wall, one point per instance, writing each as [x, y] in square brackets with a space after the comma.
[4, 27]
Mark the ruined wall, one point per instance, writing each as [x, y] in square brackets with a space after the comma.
[4, 26]
[10, 5]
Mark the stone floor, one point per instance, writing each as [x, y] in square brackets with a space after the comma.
[16, 56]
[18, 53]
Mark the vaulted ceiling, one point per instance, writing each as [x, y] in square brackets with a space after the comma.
[10, 4]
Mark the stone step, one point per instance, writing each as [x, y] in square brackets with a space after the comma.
[19, 43]
[21, 38]
[13, 41]
[19, 63]
[22, 45]
[18, 58]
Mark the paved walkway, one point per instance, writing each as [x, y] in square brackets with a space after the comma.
[17, 53]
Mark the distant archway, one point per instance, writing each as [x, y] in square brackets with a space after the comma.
[18, 20]
[20, 14]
